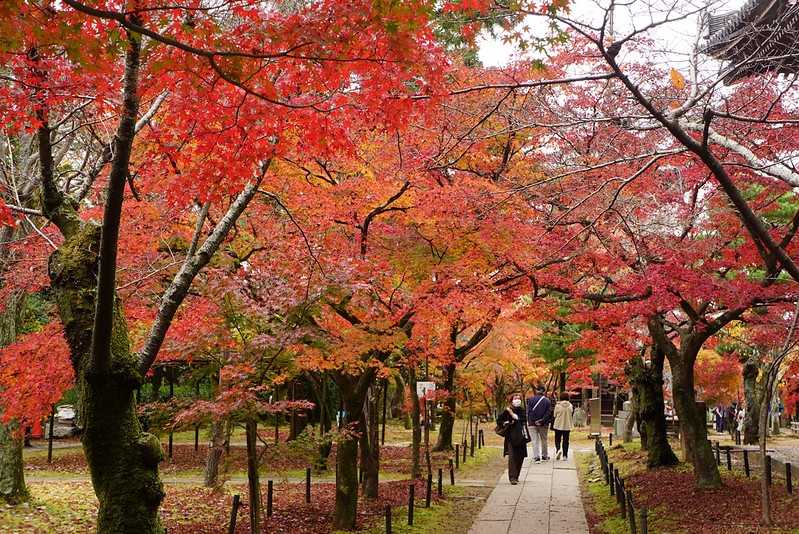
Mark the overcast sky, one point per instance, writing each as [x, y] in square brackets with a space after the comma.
[674, 40]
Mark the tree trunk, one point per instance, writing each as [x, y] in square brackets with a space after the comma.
[398, 399]
[370, 446]
[753, 397]
[253, 481]
[122, 459]
[416, 441]
[444, 441]
[215, 452]
[693, 422]
[12, 474]
[647, 382]
[216, 446]
[353, 393]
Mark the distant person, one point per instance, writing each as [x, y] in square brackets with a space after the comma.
[539, 414]
[516, 437]
[730, 419]
[563, 424]
[718, 417]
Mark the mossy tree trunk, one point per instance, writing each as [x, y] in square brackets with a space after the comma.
[444, 440]
[122, 459]
[647, 381]
[753, 396]
[692, 418]
[12, 474]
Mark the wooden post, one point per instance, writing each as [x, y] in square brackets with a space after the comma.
[631, 512]
[269, 491]
[451, 474]
[471, 446]
[50, 436]
[644, 521]
[464, 451]
[610, 440]
[610, 479]
[429, 495]
[388, 519]
[457, 456]
[307, 484]
[767, 468]
[729, 460]
[233, 513]
[440, 482]
[410, 503]
[746, 462]
[788, 481]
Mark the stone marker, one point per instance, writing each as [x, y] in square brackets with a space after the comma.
[595, 407]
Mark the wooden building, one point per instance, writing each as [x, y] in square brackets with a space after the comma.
[760, 37]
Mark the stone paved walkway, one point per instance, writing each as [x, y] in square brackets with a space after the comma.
[546, 501]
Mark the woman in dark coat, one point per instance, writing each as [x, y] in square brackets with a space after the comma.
[516, 437]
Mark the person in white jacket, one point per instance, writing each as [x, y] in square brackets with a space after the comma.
[563, 425]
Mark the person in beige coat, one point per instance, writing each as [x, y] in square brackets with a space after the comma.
[563, 425]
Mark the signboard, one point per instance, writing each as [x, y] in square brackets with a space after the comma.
[425, 389]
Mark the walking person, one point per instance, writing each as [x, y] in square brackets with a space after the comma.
[512, 421]
[563, 425]
[539, 414]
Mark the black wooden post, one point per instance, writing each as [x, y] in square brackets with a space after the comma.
[388, 519]
[610, 479]
[440, 482]
[428, 496]
[471, 446]
[631, 512]
[767, 468]
[610, 440]
[457, 456]
[50, 436]
[464, 451]
[307, 484]
[620, 495]
[451, 474]
[269, 492]
[746, 462]
[644, 521]
[410, 503]
[233, 513]
[729, 459]
[788, 481]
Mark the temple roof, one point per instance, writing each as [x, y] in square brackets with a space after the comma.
[760, 37]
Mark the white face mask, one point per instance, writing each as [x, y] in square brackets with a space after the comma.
[517, 402]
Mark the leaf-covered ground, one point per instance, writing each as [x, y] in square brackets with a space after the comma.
[275, 459]
[675, 504]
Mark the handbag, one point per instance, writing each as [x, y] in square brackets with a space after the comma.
[502, 430]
